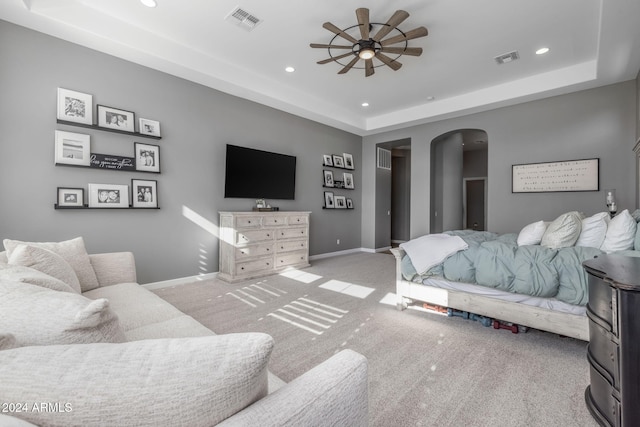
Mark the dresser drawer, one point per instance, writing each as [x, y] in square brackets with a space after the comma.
[254, 251]
[604, 351]
[292, 233]
[291, 245]
[274, 221]
[248, 222]
[291, 259]
[253, 236]
[259, 265]
[297, 219]
[602, 298]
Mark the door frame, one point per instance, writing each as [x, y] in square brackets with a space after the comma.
[464, 199]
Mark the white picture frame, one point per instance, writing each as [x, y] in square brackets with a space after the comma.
[348, 180]
[116, 119]
[348, 161]
[147, 157]
[144, 193]
[75, 106]
[108, 196]
[72, 148]
[149, 127]
[328, 200]
[340, 202]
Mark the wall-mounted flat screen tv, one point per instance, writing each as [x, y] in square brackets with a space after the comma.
[257, 174]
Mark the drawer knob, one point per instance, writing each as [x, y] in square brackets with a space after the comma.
[249, 221]
[267, 263]
[241, 268]
[268, 249]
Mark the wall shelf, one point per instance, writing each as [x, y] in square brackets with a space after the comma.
[96, 127]
[55, 206]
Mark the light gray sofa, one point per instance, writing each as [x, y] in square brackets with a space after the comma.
[155, 367]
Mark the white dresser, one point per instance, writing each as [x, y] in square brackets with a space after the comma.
[255, 244]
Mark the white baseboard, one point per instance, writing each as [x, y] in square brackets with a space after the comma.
[179, 281]
[332, 254]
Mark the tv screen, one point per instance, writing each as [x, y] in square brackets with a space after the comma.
[258, 174]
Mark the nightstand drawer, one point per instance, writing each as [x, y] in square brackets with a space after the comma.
[604, 351]
[253, 236]
[601, 300]
[292, 232]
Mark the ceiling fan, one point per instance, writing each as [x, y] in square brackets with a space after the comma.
[373, 46]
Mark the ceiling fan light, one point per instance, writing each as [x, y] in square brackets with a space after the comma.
[366, 53]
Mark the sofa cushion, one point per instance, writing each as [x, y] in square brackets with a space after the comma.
[73, 251]
[186, 381]
[40, 316]
[20, 273]
[45, 261]
[621, 233]
[183, 326]
[563, 232]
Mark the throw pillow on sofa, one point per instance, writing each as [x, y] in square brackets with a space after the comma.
[41, 316]
[46, 262]
[186, 381]
[20, 273]
[564, 231]
[73, 251]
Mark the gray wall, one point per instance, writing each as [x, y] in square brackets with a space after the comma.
[196, 122]
[599, 123]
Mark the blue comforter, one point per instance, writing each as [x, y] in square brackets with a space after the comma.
[498, 262]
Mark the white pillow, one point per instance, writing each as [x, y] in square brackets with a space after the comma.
[46, 262]
[532, 234]
[40, 316]
[593, 231]
[73, 251]
[564, 231]
[621, 233]
[20, 273]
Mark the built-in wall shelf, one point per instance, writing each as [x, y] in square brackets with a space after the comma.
[96, 127]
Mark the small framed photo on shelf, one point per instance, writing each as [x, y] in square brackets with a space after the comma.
[149, 127]
[113, 118]
[145, 193]
[328, 178]
[348, 180]
[348, 160]
[70, 197]
[349, 203]
[327, 160]
[338, 161]
[341, 202]
[328, 200]
[72, 149]
[75, 106]
[108, 196]
[147, 157]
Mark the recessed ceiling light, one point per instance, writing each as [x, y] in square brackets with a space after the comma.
[542, 51]
[365, 104]
[149, 3]
[289, 69]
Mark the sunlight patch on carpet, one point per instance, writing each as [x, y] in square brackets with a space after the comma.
[347, 288]
[309, 315]
[300, 276]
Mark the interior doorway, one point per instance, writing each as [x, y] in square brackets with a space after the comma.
[474, 203]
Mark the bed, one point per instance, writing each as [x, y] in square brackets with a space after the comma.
[514, 277]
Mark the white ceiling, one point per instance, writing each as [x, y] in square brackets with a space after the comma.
[592, 43]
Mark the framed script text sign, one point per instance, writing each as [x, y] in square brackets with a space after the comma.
[568, 175]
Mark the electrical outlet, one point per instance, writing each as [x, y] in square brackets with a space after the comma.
[338, 242]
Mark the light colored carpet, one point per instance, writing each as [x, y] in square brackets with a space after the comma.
[425, 369]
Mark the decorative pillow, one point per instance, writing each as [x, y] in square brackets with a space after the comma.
[46, 262]
[636, 215]
[7, 341]
[621, 233]
[187, 381]
[593, 231]
[40, 316]
[20, 273]
[73, 251]
[532, 234]
[563, 231]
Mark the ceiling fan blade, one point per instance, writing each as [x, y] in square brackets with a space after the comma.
[409, 35]
[349, 65]
[393, 22]
[363, 21]
[411, 51]
[330, 46]
[335, 58]
[368, 67]
[329, 26]
[395, 65]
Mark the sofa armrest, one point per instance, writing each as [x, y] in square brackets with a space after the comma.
[113, 268]
[333, 393]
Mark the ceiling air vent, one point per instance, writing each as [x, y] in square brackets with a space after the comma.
[384, 159]
[507, 57]
[243, 19]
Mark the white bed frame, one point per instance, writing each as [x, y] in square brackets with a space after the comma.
[571, 325]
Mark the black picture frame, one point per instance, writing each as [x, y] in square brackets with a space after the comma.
[147, 157]
[115, 118]
[144, 194]
[70, 197]
[559, 176]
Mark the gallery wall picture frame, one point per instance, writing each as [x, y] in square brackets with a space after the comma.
[114, 118]
[328, 178]
[328, 200]
[75, 106]
[147, 157]
[108, 196]
[144, 193]
[349, 203]
[338, 161]
[327, 160]
[348, 180]
[340, 202]
[69, 197]
[72, 148]
[348, 161]
[149, 127]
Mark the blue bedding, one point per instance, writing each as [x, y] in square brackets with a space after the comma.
[497, 261]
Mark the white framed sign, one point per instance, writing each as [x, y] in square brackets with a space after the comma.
[567, 175]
